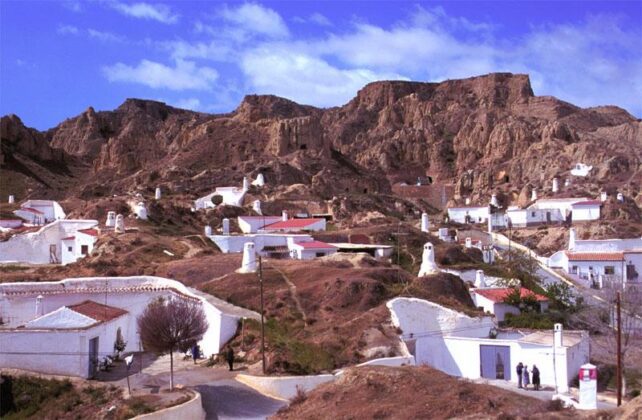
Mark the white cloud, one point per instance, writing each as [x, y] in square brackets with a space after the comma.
[592, 62]
[105, 36]
[257, 19]
[316, 18]
[72, 5]
[67, 30]
[187, 103]
[185, 75]
[158, 12]
[305, 79]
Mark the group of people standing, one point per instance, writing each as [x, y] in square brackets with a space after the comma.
[524, 376]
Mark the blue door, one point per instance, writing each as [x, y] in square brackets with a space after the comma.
[495, 362]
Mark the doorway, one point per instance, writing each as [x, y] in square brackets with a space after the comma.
[93, 357]
[495, 362]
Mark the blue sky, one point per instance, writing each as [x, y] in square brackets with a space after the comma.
[59, 57]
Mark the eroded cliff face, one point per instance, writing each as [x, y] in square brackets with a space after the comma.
[482, 134]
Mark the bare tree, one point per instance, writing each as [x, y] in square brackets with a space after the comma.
[168, 325]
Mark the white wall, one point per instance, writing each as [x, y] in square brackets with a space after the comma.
[585, 212]
[132, 294]
[232, 196]
[596, 245]
[235, 243]
[477, 214]
[33, 247]
[57, 352]
[317, 226]
[253, 224]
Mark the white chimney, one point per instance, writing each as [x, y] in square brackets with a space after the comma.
[428, 265]
[40, 309]
[467, 201]
[567, 182]
[603, 196]
[248, 265]
[141, 211]
[226, 226]
[572, 236]
[469, 242]
[493, 200]
[284, 215]
[620, 197]
[556, 186]
[246, 183]
[256, 206]
[12, 199]
[425, 223]
[533, 194]
[119, 225]
[157, 194]
[260, 180]
[480, 280]
[490, 221]
[208, 230]
[444, 235]
[111, 219]
[558, 339]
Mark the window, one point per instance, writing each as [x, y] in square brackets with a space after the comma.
[70, 249]
[84, 249]
[532, 214]
[320, 254]
[609, 269]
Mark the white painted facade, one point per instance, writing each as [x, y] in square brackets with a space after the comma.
[498, 309]
[581, 169]
[232, 196]
[47, 245]
[452, 342]
[252, 224]
[234, 243]
[39, 212]
[10, 223]
[65, 351]
[310, 250]
[463, 215]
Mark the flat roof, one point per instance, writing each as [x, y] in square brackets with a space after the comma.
[346, 245]
[569, 338]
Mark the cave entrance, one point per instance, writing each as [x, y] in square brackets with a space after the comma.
[303, 147]
[506, 178]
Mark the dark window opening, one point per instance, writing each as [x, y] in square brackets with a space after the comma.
[303, 147]
[365, 191]
[506, 178]
[320, 254]
[84, 249]
[69, 249]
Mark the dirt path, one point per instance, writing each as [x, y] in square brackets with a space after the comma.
[191, 249]
[295, 296]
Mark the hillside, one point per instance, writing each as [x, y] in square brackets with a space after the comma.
[470, 136]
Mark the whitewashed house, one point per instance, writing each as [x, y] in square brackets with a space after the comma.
[473, 348]
[39, 212]
[310, 249]
[296, 225]
[252, 224]
[232, 196]
[601, 262]
[491, 300]
[11, 223]
[59, 242]
[469, 214]
[580, 169]
[64, 327]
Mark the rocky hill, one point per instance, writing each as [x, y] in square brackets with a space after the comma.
[477, 135]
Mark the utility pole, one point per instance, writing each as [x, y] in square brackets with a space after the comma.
[619, 349]
[262, 318]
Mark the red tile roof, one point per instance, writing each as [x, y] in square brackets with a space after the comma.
[292, 224]
[588, 203]
[595, 256]
[97, 311]
[92, 232]
[315, 245]
[68, 238]
[498, 295]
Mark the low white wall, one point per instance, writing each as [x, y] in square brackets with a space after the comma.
[391, 361]
[190, 410]
[283, 387]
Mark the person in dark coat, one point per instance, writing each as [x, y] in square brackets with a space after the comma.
[520, 368]
[526, 377]
[535, 373]
[196, 351]
[230, 357]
